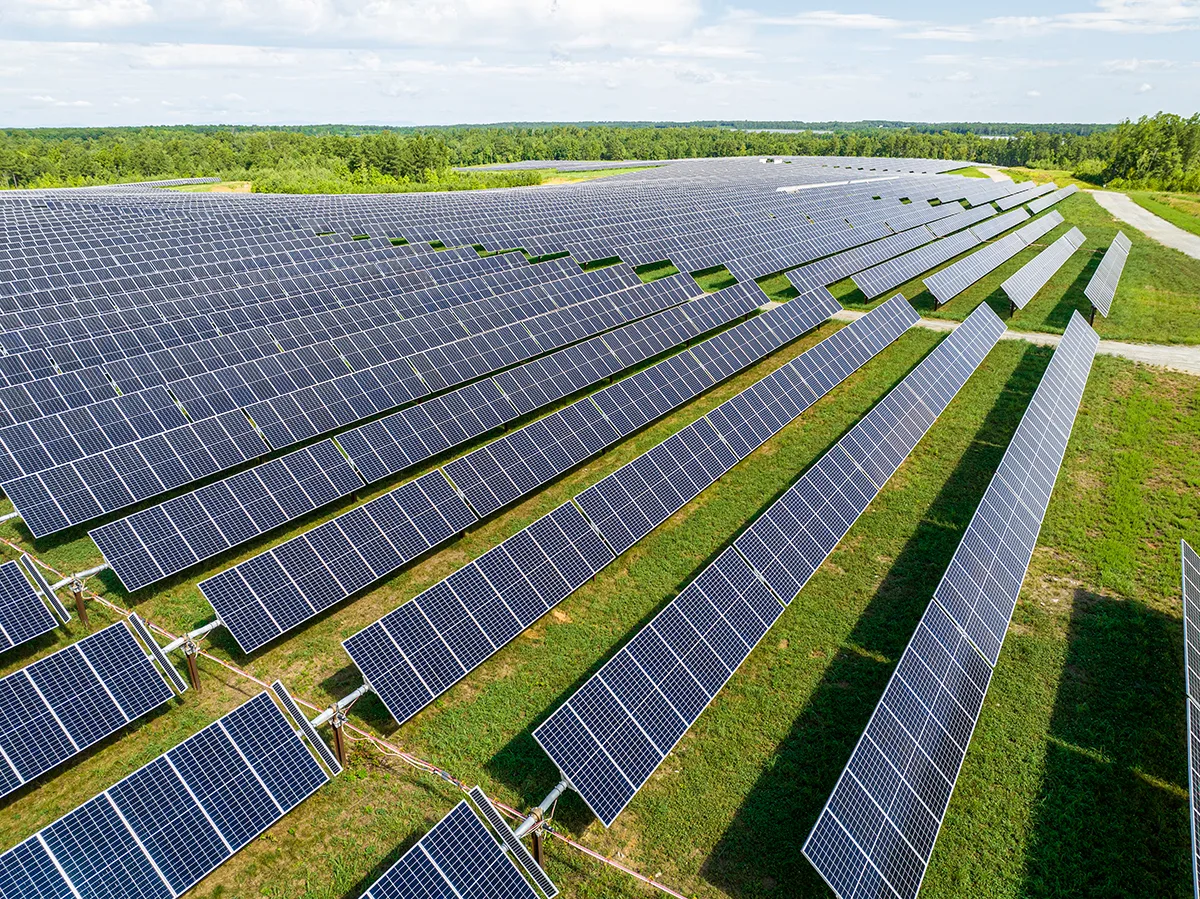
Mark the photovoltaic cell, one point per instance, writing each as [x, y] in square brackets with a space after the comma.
[878, 829]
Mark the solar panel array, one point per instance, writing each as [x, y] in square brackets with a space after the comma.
[1025, 192]
[611, 734]
[1190, 563]
[269, 594]
[948, 283]
[63, 703]
[1048, 200]
[888, 275]
[162, 540]
[1033, 275]
[1103, 286]
[154, 834]
[414, 654]
[458, 858]
[154, 341]
[74, 492]
[23, 615]
[877, 831]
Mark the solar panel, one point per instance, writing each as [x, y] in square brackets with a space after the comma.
[39, 582]
[23, 615]
[1000, 224]
[1103, 285]
[162, 828]
[271, 593]
[307, 731]
[1190, 563]
[457, 858]
[514, 845]
[164, 664]
[1033, 276]
[1027, 191]
[414, 654]
[610, 736]
[62, 704]
[948, 283]
[878, 829]
[1048, 200]
[154, 543]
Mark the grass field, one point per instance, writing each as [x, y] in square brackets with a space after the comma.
[1076, 779]
[1181, 210]
[969, 171]
[1158, 300]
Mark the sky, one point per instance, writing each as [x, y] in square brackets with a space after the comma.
[429, 62]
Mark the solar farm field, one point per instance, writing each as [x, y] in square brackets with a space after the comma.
[776, 600]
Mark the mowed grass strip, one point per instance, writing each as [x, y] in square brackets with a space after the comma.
[1157, 301]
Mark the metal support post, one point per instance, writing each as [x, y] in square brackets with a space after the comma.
[339, 739]
[80, 608]
[189, 653]
[537, 850]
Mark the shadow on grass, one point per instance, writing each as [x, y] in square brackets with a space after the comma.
[1073, 298]
[761, 847]
[1111, 818]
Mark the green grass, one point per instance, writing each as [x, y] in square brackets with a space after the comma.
[969, 171]
[1181, 210]
[1075, 783]
[1158, 300]
[1061, 177]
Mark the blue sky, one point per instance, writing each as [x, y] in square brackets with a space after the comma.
[117, 62]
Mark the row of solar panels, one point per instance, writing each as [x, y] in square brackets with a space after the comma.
[412, 324]
[624, 233]
[611, 734]
[269, 594]
[948, 283]
[94, 485]
[154, 543]
[878, 829]
[270, 387]
[1103, 285]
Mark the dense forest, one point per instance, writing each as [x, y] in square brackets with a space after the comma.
[1160, 152]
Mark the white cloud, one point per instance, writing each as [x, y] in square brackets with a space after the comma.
[1118, 16]
[85, 14]
[210, 56]
[1125, 66]
[1145, 88]
[51, 101]
[829, 19]
[1034, 94]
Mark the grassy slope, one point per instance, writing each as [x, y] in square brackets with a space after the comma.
[969, 172]
[1158, 300]
[1181, 210]
[1076, 775]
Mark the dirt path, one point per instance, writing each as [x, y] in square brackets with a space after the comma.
[1123, 208]
[994, 173]
[1184, 359]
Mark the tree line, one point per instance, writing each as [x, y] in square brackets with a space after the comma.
[1160, 152]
